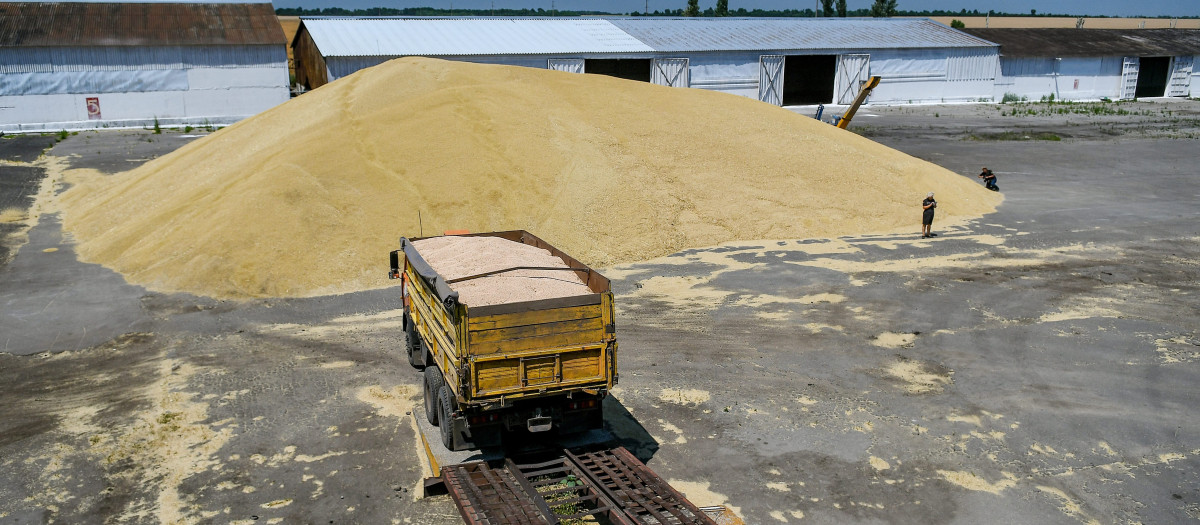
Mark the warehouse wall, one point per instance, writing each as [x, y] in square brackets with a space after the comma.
[1195, 77]
[344, 66]
[909, 76]
[734, 73]
[930, 76]
[1067, 78]
[311, 69]
[49, 88]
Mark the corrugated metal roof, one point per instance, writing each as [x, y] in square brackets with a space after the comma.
[764, 34]
[345, 36]
[1067, 42]
[467, 36]
[54, 24]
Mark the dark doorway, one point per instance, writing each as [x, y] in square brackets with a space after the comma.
[808, 79]
[626, 68]
[1153, 73]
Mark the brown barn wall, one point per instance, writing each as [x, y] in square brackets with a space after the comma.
[311, 71]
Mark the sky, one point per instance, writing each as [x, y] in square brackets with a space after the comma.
[1072, 7]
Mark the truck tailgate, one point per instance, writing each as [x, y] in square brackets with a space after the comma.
[537, 348]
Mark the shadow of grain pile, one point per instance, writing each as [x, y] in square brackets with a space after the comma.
[307, 198]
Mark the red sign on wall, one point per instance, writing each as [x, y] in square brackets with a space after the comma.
[93, 107]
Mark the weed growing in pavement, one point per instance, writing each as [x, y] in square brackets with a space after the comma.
[157, 128]
[562, 509]
[1012, 97]
[1050, 107]
[1014, 135]
[188, 129]
[62, 135]
[167, 420]
[864, 131]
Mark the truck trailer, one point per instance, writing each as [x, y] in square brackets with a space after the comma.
[513, 367]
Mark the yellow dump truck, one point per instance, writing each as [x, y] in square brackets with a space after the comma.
[514, 367]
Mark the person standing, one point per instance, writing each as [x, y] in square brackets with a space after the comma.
[927, 216]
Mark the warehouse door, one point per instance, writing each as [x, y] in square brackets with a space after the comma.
[671, 72]
[1181, 77]
[808, 79]
[770, 79]
[570, 65]
[852, 72]
[1153, 73]
[626, 68]
[1129, 78]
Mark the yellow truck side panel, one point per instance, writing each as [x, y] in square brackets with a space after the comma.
[432, 322]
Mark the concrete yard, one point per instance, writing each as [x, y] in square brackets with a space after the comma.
[1040, 365]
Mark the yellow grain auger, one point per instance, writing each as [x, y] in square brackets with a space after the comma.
[865, 92]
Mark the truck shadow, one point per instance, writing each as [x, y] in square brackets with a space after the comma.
[621, 429]
[626, 431]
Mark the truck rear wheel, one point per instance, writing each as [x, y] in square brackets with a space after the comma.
[433, 388]
[446, 403]
[414, 344]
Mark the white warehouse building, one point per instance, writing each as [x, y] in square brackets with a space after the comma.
[782, 61]
[1095, 64]
[77, 65]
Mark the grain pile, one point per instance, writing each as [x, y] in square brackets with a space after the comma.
[454, 257]
[307, 198]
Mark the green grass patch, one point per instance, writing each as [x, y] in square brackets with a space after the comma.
[1014, 135]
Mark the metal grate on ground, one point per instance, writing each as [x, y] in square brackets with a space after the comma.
[609, 485]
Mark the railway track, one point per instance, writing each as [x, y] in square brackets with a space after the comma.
[606, 486]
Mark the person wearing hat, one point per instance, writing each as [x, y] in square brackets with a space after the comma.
[927, 216]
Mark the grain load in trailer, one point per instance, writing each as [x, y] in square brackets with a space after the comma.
[530, 346]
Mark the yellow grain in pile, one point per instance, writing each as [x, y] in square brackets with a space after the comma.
[307, 198]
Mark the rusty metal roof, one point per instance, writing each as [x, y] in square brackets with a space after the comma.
[1066, 42]
[47, 24]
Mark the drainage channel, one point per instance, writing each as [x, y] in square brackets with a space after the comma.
[601, 486]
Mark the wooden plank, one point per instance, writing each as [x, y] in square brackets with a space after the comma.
[596, 345]
[513, 393]
[491, 322]
[593, 324]
[533, 306]
[541, 370]
[497, 375]
[582, 365]
[554, 340]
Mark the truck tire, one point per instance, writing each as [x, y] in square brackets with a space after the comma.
[433, 388]
[414, 344]
[446, 403]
